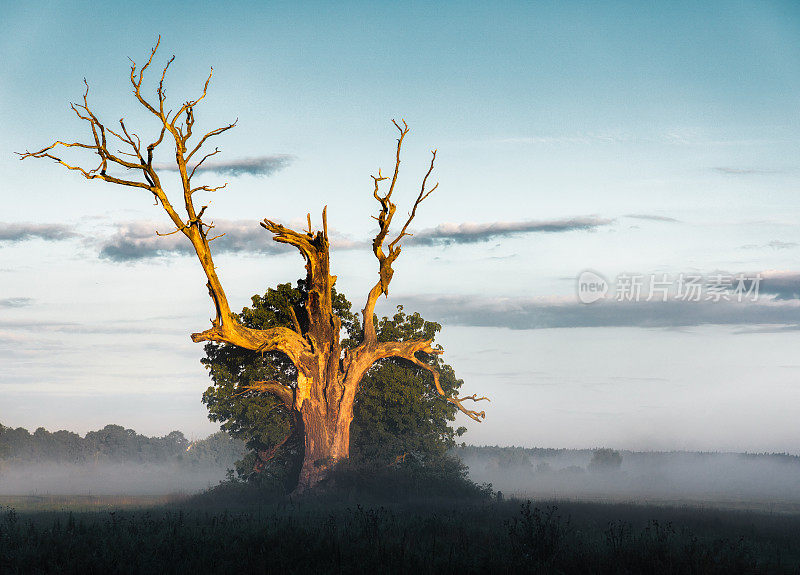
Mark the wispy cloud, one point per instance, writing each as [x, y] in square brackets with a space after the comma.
[258, 166]
[774, 244]
[15, 302]
[532, 313]
[784, 285]
[115, 327]
[652, 217]
[588, 138]
[17, 232]
[681, 137]
[136, 241]
[466, 233]
[733, 171]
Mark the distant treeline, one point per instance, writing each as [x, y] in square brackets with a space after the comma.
[115, 444]
[515, 457]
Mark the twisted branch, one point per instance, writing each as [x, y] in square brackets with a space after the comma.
[265, 457]
[387, 210]
[225, 327]
[408, 351]
[282, 392]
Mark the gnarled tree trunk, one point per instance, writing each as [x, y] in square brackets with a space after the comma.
[325, 441]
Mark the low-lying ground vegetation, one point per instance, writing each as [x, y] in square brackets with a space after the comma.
[354, 527]
[419, 515]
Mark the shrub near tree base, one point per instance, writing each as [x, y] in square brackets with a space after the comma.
[442, 477]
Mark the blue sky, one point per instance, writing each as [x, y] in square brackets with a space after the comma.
[626, 138]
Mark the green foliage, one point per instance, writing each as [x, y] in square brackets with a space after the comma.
[397, 410]
[260, 419]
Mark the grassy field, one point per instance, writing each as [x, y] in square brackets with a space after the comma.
[711, 502]
[84, 503]
[227, 531]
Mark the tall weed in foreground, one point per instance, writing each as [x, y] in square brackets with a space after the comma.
[659, 548]
[539, 536]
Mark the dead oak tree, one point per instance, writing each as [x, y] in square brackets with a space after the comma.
[327, 376]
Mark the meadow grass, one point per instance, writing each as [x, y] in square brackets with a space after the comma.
[237, 529]
[80, 503]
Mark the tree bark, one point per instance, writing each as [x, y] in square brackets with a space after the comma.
[327, 441]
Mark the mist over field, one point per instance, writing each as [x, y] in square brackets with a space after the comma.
[105, 479]
[112, 461]
[116, 461]
[769, 481]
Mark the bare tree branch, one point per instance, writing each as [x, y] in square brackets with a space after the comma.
[208, 188]
[188, 106]
[282, 392]
[265, 457]
[302, 241]
[408, 351]
[212, 133]
[387, 257]
[295, 322]
[420, 198]
[200, 163]
[280, 339]
[225, 325]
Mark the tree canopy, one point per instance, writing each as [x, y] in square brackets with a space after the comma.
[397, 411]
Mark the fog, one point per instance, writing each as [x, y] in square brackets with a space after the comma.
[718, 479]
[105, 479]
[714, 479]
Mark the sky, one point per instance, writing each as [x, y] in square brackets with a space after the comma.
[651, 147]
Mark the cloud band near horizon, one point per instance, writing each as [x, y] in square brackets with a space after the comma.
[260, 166]
[546, 313]
[22, 231]
[467, 233]
[137, 240]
